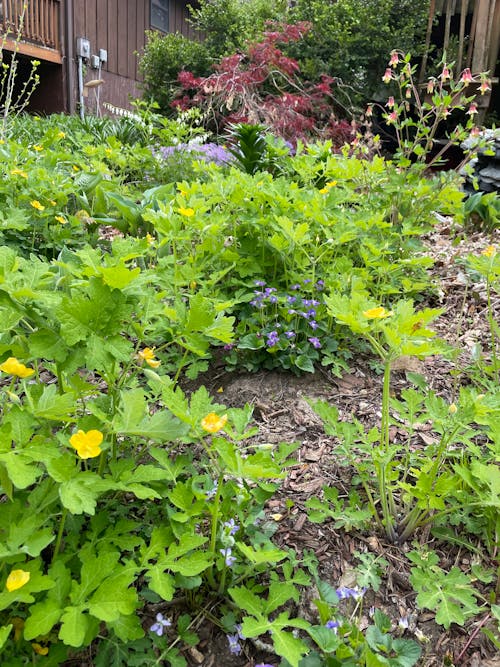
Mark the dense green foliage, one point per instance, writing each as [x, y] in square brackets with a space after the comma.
[226, 25]
[352, 40]
[132, 511]
[163, 58]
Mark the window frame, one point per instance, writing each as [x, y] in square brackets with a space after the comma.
[163, 5]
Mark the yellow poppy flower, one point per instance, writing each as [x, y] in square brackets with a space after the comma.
[147, 354]
[490, 251]
[36, 204]
[213, 423]
[377, 313]
[61, 135]
[186, 212]
[17, 579]
[61, 219]
[18, 172]
[38, 148]
[14, 367]
[87, 444]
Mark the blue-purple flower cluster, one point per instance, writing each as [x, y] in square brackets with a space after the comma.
[290, 309]
[209, 152]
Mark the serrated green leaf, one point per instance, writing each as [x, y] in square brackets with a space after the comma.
[248, 602]
[289, 647]
[74, 626]
[127, 628]
[43, 616]
[279, 593]
[161, 582]
[114, 598]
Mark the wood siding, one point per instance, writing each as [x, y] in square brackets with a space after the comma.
[119, 27]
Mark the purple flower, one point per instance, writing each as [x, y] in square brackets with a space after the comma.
[237, 627]
[311, 313]
[292, 311]
[230, 560]
[269, 290]
[315, 342]
[208, 152]
[264, 664]
[232, 527]
[319, 285]
[260, 283]
[291, 299]
[234, 644]
[306, 281]
[160, 625]
[273, 299]
[211, 492]
[344, 592]
[332, 625]
[295, 287]
[272, 339]
[228, 347]
[290, 334]
[313, 324]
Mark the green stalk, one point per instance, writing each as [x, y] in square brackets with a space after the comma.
[60, 534]
[491, 322]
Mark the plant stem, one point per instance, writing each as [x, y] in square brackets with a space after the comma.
[60, 534]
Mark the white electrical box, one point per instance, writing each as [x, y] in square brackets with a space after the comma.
[103, 55]
[94, 62]
[83, 47]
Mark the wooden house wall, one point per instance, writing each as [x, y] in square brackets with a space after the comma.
[119, 26]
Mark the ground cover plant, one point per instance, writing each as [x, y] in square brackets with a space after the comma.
[138, 506]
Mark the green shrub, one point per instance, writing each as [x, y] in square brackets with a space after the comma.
[163, 58]
[228, 24]
[352, 40]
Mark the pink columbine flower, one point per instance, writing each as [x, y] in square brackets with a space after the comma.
[466, 77]
[392, 117]
[485, 86]
[430, 86]
[475, 132]
[369, 111]
[472, 109]
[394, 59]
[445, 112]
[387, 76]
[408, 92]
[390, 102]
[445, 74]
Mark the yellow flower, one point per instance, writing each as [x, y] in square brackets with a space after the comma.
[18, 172]
[53, 203]
[377, 313]
[37, 147]
[87, 444]
[148, 355]
[213, 423]
[490, 251]
[150, 239]
[61, 135]
[327, 187]
[75, 168]
[36, 204]
[61, 219]
[452, 409]
[39, 649]
[331, 184]
[187, 212]
[14, 367]
[324, 191]
[17, 579]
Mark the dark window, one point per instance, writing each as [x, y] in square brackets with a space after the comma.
[159, 14]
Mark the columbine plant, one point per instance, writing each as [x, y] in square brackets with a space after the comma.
[417, 116]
